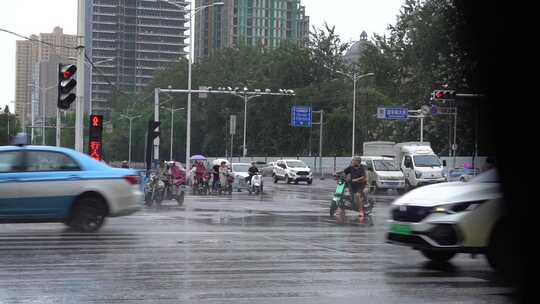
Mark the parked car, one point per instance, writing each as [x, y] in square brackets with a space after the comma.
[444, 219]
[52, 184]
[292, 170]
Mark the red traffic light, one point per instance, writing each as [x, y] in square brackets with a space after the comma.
[67, 74]
[96, 121]
[67, 71]
[439, 94]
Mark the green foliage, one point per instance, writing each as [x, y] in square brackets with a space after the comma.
[422, 52]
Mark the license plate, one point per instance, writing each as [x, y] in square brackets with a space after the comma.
[400, 229]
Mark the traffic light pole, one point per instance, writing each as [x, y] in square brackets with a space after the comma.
[57, 127]
[79, 109]
[156, 118]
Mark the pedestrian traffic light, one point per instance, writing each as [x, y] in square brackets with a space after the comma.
[442, 95]
[95, 132]
[66, 85]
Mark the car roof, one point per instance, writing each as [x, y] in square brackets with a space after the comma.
[86, 161]
[241, 164]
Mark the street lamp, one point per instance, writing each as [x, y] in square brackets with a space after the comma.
[192, 12]
[355, 77]
[42, 112]
[130, 118]
[172, 126]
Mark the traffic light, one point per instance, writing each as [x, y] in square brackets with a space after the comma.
[95, 132]
[151, 134]
[442, 95]
[66, 85]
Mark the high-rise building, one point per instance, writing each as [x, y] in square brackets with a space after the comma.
[249, 22]
[131, 41]
[36, 73]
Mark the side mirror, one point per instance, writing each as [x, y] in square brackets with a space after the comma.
[370, 169]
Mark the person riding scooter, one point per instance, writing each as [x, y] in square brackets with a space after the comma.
[357, 178]
[252, 171]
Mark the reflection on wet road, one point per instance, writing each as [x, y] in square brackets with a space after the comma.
[279, 248]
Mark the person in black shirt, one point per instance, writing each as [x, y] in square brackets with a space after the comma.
[252, 171]
[356, 175]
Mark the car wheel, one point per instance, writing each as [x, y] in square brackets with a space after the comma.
[275, 179]
[88, 214]
[288, 179]
[401, 191]
[438, 256]
[310, 182]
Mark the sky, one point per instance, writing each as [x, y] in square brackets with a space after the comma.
[26, 17]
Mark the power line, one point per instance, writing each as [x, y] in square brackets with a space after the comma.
[37, 40]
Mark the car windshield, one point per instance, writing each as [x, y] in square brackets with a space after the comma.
[385, 165]
[426, 161]
[490, 176]
[241, 167]
[296, 164]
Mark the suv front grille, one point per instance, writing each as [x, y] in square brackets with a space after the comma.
[302, 173]
[411, 214]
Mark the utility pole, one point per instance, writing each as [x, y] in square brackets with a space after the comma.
[320, 123]
[81, 88]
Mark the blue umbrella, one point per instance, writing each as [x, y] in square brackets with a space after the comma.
[198, 157]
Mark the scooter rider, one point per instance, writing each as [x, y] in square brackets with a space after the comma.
[252, 171]
[356, 175]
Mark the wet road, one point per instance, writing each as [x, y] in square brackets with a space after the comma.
[278, 248]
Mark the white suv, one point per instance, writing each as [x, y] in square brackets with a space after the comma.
[444, 219]
[292, 170]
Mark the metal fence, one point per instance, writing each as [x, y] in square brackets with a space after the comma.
[330, 164]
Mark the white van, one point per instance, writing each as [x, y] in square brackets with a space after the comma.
[383, 174]
[420, 165]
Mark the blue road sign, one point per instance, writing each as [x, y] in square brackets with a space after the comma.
[393, 113]
[301, 116]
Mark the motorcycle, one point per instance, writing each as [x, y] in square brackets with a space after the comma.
[343, 199]
[154, 190]
[256, 184]
[176, 189]
[202, 185]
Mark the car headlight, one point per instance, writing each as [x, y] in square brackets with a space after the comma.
[457, 207]
[418, 174]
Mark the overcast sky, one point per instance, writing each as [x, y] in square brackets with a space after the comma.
[27, 17]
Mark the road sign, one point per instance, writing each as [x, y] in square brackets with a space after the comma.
[301, 116]
[203, 95]
[426, 109]
[434, 110]
[393, 113]
[233, 125]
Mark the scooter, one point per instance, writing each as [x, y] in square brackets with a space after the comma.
[227, 188]
[154, 190]
[256, 184]
[343, 199]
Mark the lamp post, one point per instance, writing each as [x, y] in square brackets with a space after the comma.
[130, 118]
[192, 12]
[172, 126]
[43, 118]
[355, 77]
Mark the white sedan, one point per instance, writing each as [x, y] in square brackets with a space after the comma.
[444, 219]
